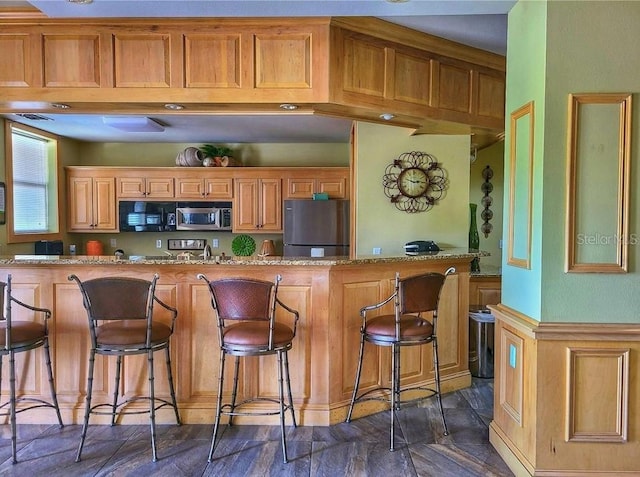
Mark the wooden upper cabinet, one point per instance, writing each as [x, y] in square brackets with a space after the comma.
[261, 61]
[283, 60]
[72, 61]
[18, 65]
[148, 188]
[258, 205]
[92, 203]
[453, 88]
[409, 78]
[147, 60]
[302, 184]
[204, 189]
[213, 60]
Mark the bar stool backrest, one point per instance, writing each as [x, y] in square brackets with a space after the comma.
[243, 299]
[420, 293]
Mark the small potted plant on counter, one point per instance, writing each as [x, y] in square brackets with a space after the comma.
[217, 156]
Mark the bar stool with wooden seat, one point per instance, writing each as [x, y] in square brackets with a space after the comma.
[121, 323]
[17, 337]
[247, 326]
[412, 297]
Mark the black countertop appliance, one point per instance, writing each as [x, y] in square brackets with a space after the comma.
[316, 228]
[49, 247]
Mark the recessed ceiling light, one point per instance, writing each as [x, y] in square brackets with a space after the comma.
[133, 123]
[387, 116]
[173, 106]
[288, 107]
[397, 1]
[60, 106]
[80, 2]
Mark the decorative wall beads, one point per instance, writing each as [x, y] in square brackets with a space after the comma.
[487, 214]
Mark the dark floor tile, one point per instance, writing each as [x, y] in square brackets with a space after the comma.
[372, 428]
[358, 448]
[359, 459]
[175, 459]
[443, 461]
[259, 458]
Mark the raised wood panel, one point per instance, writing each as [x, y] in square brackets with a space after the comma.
[219, 188]
[142, 60]
[246, 214]
[485, 290]
[72, 61]
[104, 203]
[454, 88]
[336, 188]
[158, 187]
[449, 330]
[213, 61]
[192, 187]
[364, 67]
[606, 370]
[412, 79]
[490, 96]
[31, 371]
[80, 196]
[373, 365]
[283, 60]
[580, 413]
[131, 187]
[300, 188]
[15, 60]
[511, 389]
[270, 205]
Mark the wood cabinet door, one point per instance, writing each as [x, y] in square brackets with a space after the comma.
[159, 188]
[92, 204]
[219, 188]
[335, 188]
[270, 205]
[104, 204]
[189, 188]
[80, 196]
[131, 187]
[299, 188]
[245, 209]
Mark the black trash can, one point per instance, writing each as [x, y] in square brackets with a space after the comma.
[481, 331]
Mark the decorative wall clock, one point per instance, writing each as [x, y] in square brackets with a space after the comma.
[414, 182]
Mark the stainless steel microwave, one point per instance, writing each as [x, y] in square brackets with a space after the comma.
[214, 217]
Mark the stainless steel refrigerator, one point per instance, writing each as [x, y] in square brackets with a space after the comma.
[316, 228]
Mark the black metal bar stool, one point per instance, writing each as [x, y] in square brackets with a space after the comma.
[247, 326]
[121, 323]
[16, 337]
[412, 296]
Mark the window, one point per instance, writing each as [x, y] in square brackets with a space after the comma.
[32, 184]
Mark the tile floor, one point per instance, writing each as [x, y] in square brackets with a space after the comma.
[360, 448]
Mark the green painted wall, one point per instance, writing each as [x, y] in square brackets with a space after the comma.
[254, 155]
[526, 70]
[379, 223]
[554, 49]
[492, 156]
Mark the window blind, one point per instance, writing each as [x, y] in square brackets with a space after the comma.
[30, 183]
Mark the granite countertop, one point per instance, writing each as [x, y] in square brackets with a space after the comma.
[253, 260]
[488, 271]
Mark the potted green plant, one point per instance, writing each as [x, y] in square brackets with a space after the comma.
[218, 155]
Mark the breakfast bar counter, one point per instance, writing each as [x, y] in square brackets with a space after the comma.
[328, 292]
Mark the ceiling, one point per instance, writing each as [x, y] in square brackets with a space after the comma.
[478, 23]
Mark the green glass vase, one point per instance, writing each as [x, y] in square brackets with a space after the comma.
[474, 237]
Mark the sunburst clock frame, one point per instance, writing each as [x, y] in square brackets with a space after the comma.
[414, 182]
